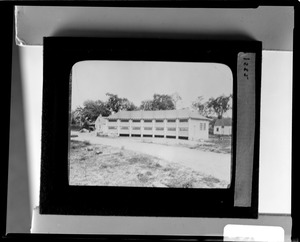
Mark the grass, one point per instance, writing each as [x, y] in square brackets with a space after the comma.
[75, 144]
[214, 144]
[119, 167]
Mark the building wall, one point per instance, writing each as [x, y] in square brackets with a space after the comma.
[101, 125]
[124, 127]
[171, 128]
[198, 129]
[225, 130]
[183, 128]
[113, 127]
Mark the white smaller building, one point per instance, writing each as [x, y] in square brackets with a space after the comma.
[223, 126]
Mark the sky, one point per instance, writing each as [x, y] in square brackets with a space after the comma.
[140, 80]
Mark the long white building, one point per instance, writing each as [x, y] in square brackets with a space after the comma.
[177, 124]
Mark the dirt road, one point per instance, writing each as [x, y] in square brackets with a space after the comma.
[215, 164]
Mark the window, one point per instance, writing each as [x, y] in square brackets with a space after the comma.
[112, 127]
[201, 126]
[183, 120]
[171, 120]
[204, 126]
[147, 128]
[124, 121]
[136, 128]
[112, 120]
[159, 121]
[159, 128]
[124, 128]
[148, 121]
[171, 129]
[183, 129]
[136, 121]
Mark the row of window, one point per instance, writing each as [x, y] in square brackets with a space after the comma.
[202, 127]
[149, 120]
[148, 128]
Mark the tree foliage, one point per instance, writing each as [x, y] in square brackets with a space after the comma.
[159, 102]
[163, 102]
[115, 104]
[220, 105]
[91, 110]
[201, 106]
[214, 106]
[176, 98]
[76, 117]
[146, 105]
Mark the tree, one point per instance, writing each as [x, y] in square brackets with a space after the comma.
[90, 111]
[127, 105]
[76, 116]
[115, 104]
[146, 105]
[176, 98]
[220, 105]
[159, 102]
[200, 106]
[162, 102]
[214, 106]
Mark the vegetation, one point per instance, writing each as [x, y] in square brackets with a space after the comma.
[220, 105]
[115, 104]
[214, 107]
[214, 144]
[82, 116]
[159, 102]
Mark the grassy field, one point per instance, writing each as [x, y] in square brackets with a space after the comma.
[100, 165]
[215, 144]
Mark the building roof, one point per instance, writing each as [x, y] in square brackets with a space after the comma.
[159, 114]
[223, 122]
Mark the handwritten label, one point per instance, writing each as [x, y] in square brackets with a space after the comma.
[246, 65]
[245, 123]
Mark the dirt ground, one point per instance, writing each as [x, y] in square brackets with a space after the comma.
[104, 165]
[182, 152]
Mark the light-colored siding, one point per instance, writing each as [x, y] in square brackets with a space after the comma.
[198, 129]
[223, 130]
[192, 129]
[101, 125]
[183, 128]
